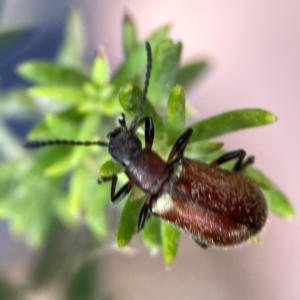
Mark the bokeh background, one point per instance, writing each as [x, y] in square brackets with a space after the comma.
[254, 50]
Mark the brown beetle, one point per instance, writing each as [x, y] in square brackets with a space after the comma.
[212, 205]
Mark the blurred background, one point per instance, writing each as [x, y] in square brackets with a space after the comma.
[253, 48]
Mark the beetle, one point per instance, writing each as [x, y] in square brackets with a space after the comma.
[212, 205]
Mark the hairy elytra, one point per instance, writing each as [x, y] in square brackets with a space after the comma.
[212, 205]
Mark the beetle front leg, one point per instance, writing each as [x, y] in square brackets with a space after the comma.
[149, 131]
[123, 191]
[179, 146]
[240, 164]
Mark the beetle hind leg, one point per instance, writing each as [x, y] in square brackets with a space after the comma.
[239, 165]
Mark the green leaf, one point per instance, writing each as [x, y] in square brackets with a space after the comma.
[129, 35]
[96, 200]
[164, 68]
[170, 239]
[61, 125]
[190, 72]
[278, 204]
[110, 168]
[68, 94]
[8, 290]
[259, 178]
[203, 148]
[77, 190]
[136, 61]
[83, 283]
[10, 147]
[9, 36]
[152, 233]
[73, 47]
[130, 98]
[229, 122]
[129, 219]
[60, 167]
[100, 69]
[47, 73]
[175, 117]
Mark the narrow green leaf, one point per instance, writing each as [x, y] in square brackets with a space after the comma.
[170, 238]
[47, 73]
[279, 204]
[229, 122]
[10, 147]
[16, 101]
[95, 203]
[175, 117]
[7, 289]
[164, 69]
[136, 61]
[204, 147]
[59, 206]
[60, 167]
[77, 190]
[9, 36]
[130, 98]
[69, 94]
[188, 74]
[47, 157]
[110, 168]
[60, 127]
[152, 233]
[82, 284]
[129, 35]
[72, 50]
[129, 219]
[100, 69]
[257, 176]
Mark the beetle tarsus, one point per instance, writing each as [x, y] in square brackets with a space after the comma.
[201, 243]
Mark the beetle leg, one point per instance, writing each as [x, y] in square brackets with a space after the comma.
[201, 243]
[240, 164]
[144, 213]
[179, 146]
[123, 191]
[149, 131]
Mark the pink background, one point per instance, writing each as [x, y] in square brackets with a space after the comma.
[254, 48]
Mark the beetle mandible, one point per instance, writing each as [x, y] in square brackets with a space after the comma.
[213, 206]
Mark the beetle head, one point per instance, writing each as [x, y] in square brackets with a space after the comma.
[123, 146]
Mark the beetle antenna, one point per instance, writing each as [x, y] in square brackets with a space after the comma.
[146, 86]
[39, 144]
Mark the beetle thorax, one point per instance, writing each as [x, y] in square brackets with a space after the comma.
[124, 146]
